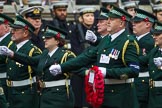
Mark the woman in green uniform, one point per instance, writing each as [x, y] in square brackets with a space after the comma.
[55, 90]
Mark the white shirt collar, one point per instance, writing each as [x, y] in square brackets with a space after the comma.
[52, 52]
[102, 36]
[19, 45]
[115, 35]
[139, 37]
[1, 38]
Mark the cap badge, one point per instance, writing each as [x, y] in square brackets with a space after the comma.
[36, 11]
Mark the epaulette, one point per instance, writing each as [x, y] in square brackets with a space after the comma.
[66, 54]
[36, 48]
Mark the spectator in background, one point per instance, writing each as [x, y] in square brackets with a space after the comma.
[1, 6]
[10, 2]
[157, 10]
[101, 28]
[87, 2]
[79, 44]
[59, 15]
[130, 6]
[108, 3]
[33, 14]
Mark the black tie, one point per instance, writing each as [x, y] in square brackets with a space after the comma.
[109, 39]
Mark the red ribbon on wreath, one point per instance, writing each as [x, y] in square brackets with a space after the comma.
[95, 92]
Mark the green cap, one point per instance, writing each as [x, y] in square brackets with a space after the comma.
[4, 19]
[116, 12]
[20, 22]
[84, 10]
[60, 4]
[33, 12]
[103, 14]
[51, 31]
[142, 15]
[157, 28]
[130, 3]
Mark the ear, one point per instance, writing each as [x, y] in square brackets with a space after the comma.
[80, 19]
[26, 33]
[121, 22]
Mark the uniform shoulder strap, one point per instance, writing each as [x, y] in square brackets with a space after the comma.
[65, 56]
[64, 59]
[29, 67]
[130, 41]
[10, 43]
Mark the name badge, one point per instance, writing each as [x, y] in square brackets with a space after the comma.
[104, 59]
[91, 77]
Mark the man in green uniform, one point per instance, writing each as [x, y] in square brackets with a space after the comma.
[142, 25]
[117, 58]
[5, 40]
[21, 80]
[154, 59]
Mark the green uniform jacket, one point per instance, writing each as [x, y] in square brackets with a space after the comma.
[155, 93]
[146, 44]
[3, 69]
[22, 96]
[118, 95]
[52, 97]
[3, 101]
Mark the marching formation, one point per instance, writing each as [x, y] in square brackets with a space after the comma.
[107, 58]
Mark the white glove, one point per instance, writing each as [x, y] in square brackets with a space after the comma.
[157, 61]
[5, 51]
[160, 58]
[55, 70]
[90, 36]
[103, 71]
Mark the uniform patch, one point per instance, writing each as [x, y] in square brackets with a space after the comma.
[104, 59]
[134, 66]
[144, 51]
